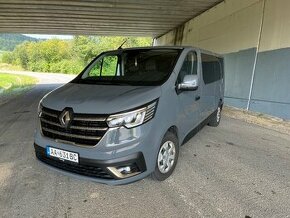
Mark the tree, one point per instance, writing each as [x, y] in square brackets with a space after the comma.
[66, 56]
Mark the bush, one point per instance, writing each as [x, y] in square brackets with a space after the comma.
[65, 56]
[67, 66]
[39, 66]
[7, 57]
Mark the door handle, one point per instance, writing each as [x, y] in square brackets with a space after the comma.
[197, 98]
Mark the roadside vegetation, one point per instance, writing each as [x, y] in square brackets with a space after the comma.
[9, 41]
[64, 56]
[7, 67]
[14, 83]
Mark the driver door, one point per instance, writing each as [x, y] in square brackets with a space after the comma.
[189, 104]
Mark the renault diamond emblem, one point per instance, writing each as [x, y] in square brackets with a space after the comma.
[65, 117]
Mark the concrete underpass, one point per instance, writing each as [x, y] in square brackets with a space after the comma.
[236, 170]
[253, 36]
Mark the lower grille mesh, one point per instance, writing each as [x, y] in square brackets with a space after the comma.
[81, 169]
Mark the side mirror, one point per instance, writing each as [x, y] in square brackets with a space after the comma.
[190, 82]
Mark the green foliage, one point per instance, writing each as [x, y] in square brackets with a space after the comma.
[8, 42]
[84, 47]
[21, 54]
[109, 66]
[66, 66]
[67, 56]
[105, 67]
[7, 57]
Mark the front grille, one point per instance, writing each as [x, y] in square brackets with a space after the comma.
[85, 129]
[82, 169]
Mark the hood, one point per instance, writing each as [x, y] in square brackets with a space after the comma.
[100, 99]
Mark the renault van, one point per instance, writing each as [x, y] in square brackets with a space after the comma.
[126, 115]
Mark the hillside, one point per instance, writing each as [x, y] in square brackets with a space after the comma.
[9, 41]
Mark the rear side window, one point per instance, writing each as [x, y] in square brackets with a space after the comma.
[212, 68]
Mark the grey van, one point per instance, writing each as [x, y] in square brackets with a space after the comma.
[125, 116]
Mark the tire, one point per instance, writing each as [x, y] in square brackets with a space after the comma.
[216, 118]
[165, 163]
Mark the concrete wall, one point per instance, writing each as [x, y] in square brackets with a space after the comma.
[254, 36]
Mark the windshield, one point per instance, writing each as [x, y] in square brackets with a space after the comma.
[130, 67]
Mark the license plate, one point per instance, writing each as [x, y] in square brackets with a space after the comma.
[62, 155]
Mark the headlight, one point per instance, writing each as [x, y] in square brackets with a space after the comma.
[133, 118]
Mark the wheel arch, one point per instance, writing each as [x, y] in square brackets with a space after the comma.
[173, 129]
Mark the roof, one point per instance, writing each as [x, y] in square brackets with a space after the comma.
[98, 17]
[170, 47]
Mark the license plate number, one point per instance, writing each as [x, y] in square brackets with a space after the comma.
[62, 154]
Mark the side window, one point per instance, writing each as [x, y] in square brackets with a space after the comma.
[212, 68]
[189, 66]
[107, 66]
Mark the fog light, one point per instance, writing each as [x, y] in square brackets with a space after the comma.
[124, 171]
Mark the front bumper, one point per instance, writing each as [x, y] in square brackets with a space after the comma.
[117, 145]
[98, 170]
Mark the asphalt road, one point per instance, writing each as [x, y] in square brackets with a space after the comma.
[235, 170]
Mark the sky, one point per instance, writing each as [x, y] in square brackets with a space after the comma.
[43, 36]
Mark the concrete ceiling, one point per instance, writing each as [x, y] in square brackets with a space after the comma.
[98, 17]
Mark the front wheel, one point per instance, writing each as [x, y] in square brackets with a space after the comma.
[216, 118]
[167, 157]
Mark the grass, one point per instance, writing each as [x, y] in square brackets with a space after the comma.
[14, 83]
[4, 66]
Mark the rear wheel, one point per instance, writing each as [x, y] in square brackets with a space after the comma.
[216, 118]
[167, 157]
